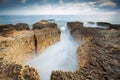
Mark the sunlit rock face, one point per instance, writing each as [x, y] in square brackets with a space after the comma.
[46, 34]
[46, 37]
[98, 56]
[17, 46]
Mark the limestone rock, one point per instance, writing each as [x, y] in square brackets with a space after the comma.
[22, 26]
[7, 29]
[44, 24]
[98, 56]
[13, 71]
[46, 37]
[17, 46]
[74, 25]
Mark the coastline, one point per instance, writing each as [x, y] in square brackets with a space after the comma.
[98, 52]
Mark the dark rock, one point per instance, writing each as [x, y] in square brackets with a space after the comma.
[44, 24]
[74, 25]
[115, 26]
[91, 22]
[6, 29]
[105, 24]
[22, 26]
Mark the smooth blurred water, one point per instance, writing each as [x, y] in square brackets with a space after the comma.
[59, 56]
[60, 19]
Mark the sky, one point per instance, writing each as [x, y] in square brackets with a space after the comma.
[59, 7]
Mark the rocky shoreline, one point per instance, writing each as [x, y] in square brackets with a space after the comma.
[18, 43]
[98, 54]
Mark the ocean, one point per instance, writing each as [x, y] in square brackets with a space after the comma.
[59, 19]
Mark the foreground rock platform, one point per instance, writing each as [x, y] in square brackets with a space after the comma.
[98, 55]
[18, 44]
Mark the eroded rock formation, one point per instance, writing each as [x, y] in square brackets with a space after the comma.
[44, 24]
[22, 26]
[13, 71]
[98, 55]
[106, 24]
[46, 34]
[46, 37]
[109, 25]
[17, 44]
[6, 30]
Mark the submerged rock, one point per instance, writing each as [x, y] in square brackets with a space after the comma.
[98, 56]
[22, 26]
[44, 24]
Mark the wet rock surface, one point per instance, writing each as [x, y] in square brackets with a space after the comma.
[98, 55]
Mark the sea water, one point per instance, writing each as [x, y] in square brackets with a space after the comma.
[31, 19]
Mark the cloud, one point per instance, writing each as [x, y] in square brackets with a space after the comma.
[107, 3]
[88, 8]
[23, 1]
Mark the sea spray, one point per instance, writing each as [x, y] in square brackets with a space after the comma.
[60, 56]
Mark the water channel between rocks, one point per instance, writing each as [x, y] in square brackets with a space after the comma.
[59, 56]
